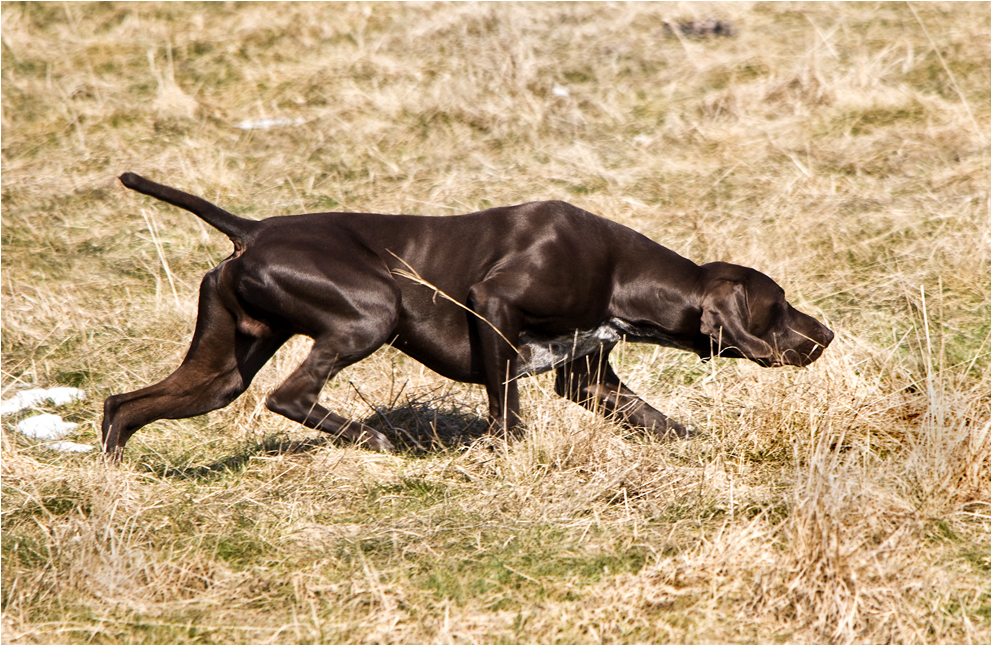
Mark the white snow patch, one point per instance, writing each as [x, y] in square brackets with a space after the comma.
[265, 124]
[58, 395]
[45, 427]
[70, 447]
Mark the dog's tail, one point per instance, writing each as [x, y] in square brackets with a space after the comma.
[239, 230]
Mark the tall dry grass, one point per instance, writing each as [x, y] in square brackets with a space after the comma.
[842, 149]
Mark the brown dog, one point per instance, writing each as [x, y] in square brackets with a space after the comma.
[482, 298]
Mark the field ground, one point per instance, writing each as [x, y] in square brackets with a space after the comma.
[843, 149]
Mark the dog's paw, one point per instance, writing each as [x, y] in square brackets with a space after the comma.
[377, 442]
[668, 430]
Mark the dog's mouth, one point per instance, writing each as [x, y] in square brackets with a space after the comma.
[790, 357]
[796, 358]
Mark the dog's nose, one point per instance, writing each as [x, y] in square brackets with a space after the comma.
[828, 335]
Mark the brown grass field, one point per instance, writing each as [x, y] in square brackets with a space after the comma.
[843, 149]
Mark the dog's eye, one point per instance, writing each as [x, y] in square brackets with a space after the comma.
[772, 316]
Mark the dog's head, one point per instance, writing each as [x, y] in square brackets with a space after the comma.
[745, 315]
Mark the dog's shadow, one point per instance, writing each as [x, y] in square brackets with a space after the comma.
[416, 429]
[419, 428]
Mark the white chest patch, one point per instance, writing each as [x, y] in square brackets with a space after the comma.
[537, 355]
[541, 355]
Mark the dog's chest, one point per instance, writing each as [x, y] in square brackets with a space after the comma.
[540, 354]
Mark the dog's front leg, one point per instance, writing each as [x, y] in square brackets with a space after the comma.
[497, 324]
[592, 383]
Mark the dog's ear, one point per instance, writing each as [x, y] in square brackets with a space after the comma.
[726, 319]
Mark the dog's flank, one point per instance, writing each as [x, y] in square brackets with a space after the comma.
[545, 286]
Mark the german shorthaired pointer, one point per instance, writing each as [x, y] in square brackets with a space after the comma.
[483, 298]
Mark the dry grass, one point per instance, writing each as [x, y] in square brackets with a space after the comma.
[841, 149]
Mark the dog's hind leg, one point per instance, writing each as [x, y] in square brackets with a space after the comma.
[219, 366]
[592, 383]
[297, 397]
